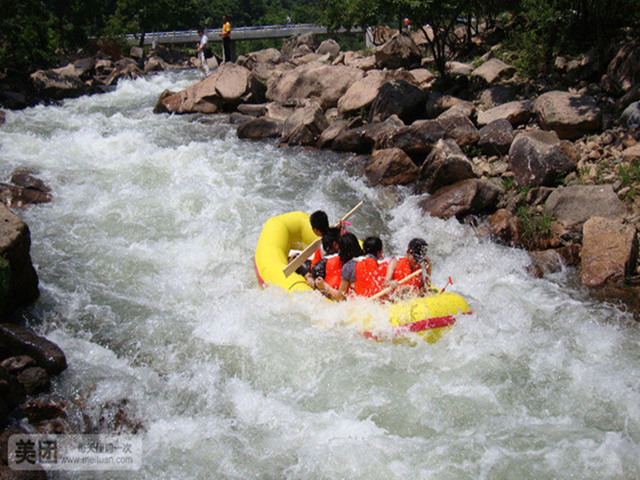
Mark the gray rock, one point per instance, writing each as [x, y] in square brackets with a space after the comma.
[631, 115]
[259, 128]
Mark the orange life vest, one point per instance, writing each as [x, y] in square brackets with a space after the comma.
[316, 257]
[403, 269]
[369, 277]
[333, 275]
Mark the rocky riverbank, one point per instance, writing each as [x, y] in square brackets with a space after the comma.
[550, 165]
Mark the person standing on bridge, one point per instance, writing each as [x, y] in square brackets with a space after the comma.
[202, 46]
[226, 39]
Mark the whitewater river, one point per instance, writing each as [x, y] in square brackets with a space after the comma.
[147, 281]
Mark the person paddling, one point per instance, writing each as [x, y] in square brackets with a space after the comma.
[414, 259]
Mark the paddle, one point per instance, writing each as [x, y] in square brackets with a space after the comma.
[311, 249]
[388, 289]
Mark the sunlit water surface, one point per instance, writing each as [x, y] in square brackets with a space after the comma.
[145, 266]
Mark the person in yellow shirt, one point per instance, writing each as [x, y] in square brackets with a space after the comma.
[226, 39]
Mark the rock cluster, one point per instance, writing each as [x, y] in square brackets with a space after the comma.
[523, 156]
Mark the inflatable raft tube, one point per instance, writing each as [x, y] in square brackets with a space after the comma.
[429, 317]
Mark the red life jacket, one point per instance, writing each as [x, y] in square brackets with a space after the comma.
[333, 275]
[403, 269]
[369, 277]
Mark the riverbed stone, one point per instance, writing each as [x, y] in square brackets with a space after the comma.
[390, 167]
[459, 128]
[516, 112]
[317, 81]
[364, 138]
[57, 84]
[471, 196]
[575, 204]
[20, 340]
[446, 164]
[35, 380]
[570, 115]
[493, 70]
[399, 51]
[609, 251]
[540, 158]
[260, 128]
[415, 139]
[304, 126]
[398, 97]
[496, 138]
[18, 278]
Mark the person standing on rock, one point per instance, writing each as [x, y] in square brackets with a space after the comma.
[226, 39]
[202, 46]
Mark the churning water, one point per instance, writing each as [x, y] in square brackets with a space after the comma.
[145, 263]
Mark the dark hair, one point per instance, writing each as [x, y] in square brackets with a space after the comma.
[200, 30]
[319, 221]
[418, 248]
[372, 245]
[331, 236]
[349, 247]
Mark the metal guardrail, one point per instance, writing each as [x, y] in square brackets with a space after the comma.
[239, 33]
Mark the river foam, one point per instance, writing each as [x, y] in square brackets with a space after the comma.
[145, 261]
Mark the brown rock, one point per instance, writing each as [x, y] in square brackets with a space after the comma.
[323, 83]
[331, 133]
[304, 126]
[445, 165]
[398, 97]
[504, 225]
[259, 128]
[570, 115]
[471, 196]
[624, 69]
[496, 138]
[15, 365]
[19, 340]
[200, 97]
[493, 70]
[631, 154]
[18, 197]
[19, 282]
[390, 167]
[517, 113]
[539, 158]
[35, 380]
[417, 138]
[399, 51]
[362, 139]
[609, 251]
[459, 128]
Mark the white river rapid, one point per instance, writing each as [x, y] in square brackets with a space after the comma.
[145, 261]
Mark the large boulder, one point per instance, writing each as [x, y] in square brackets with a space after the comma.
[399, 52]
[19, 340]
[363, 139]
[18, 278]
[304, 126]
[362, 93]
[331, 133]
[125, 68]
[260, 128]
[201, 97]
[445, 165]
[472, 196]
[570, 115]
[493, 70]
[390, 167]
[631, 116]
[516, 112]
[609, 251]
[57, 84]
[459, 128]
[624, 69]
[540, 158]
[496, 138]
[415, 139]
[400, 98]
[235, 84]
[316, 81]
[299, 46]
[575, 204]
[330, 47]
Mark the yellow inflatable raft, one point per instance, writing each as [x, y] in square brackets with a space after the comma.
[428, 317]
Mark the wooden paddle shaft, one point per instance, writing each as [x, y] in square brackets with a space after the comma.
[388, 289]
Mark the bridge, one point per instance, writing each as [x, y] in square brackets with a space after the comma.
[239, 33]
